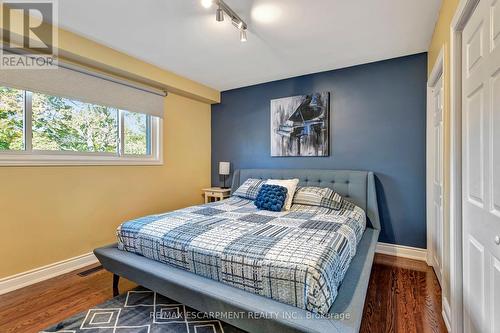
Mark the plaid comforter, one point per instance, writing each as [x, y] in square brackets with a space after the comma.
[298, 257]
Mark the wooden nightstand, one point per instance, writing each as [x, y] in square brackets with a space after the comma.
[217, 193]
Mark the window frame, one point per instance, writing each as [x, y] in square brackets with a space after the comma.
[30, 157]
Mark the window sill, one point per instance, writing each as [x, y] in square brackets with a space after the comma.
[74, 160]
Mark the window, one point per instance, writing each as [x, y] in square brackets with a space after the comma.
[37, 128]
[69, 125]
[137, 131]
[11, 119]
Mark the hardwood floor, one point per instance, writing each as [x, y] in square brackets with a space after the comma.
[41, 305]
[403, 296]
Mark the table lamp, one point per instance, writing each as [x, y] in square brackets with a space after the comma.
[224, 170]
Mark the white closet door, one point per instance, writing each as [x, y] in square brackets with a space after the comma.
[436, 179]
[481, 168]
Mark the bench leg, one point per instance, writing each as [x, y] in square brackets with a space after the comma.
[116, 279]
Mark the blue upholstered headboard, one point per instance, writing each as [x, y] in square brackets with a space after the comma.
[356, 186]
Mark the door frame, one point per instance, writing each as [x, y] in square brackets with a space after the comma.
[436, 74]
[462, 15]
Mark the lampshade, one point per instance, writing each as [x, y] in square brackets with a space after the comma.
[224, 168]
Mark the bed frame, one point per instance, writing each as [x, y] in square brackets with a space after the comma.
[208, 295]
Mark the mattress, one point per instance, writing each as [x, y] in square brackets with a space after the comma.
[298, 257]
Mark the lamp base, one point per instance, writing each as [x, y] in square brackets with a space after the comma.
[224, 183]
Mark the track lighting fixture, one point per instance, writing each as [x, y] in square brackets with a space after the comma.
[223, 8]
[237, 23]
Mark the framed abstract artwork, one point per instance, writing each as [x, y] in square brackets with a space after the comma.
[300, 125]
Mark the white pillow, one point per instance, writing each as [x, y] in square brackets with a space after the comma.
[290, 184]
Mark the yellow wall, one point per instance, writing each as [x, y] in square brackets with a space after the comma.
[441, 35]
[50, 214]
[441, 40]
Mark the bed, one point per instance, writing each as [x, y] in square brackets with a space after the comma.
[164, 268]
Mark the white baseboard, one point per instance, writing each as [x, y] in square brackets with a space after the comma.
[446, 313]
[24, 279]
[429, 259]
[402, 251]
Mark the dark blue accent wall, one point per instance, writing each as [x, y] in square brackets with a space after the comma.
[377, 122]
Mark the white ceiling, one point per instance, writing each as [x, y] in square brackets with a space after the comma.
[300, 37]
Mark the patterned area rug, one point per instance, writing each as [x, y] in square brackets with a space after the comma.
[142, 311]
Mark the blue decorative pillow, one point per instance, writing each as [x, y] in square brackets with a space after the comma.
[271, 197]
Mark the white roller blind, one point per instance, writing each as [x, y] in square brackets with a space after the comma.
[86, 87]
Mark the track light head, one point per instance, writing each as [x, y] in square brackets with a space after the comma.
[243, 35]
[219, 14]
